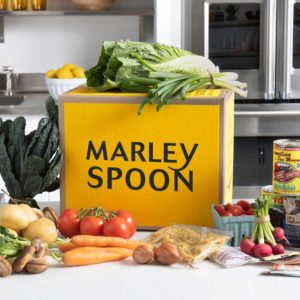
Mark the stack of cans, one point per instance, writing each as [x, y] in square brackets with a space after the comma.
[285, 190]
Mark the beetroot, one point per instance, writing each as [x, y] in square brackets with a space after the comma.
[247, 246]
[278, 249]
[262, 250]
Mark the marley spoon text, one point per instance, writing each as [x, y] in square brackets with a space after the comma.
[163, 176]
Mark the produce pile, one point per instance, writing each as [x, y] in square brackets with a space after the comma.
[30, 163]
[241, 208]
[29, 237]
[96, 221]
[67, 71]
[163, 72]
[264, 237]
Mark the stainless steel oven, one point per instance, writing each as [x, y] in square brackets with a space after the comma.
[288, 45]
[237, 35]
[259, 40]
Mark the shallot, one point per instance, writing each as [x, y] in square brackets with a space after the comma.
[143, 254]
[166, 254]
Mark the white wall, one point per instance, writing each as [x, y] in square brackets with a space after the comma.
[35, 44]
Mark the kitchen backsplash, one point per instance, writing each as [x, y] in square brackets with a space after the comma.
[35, 44]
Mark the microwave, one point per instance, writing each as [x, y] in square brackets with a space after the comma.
[258, 39]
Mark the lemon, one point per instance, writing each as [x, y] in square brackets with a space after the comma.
[51, 74]
[69, 66]
[78, 72]
[64, 74]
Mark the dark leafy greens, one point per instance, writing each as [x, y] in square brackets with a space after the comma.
[30, 163]
[163, 72]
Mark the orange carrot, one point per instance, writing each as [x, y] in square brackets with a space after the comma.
[94, 255]
[64, 247]
[104, 241]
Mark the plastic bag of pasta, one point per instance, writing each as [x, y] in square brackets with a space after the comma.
[194, 243]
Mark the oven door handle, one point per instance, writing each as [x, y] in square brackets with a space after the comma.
[290, 113]
[285, 48]
[269, 47]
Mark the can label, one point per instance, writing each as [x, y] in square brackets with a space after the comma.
[277, 198]
[286, 167]
[292, 221]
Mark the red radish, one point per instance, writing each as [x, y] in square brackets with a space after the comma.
[219, 208]
[279, 235]
[226, 213]
[236, 210]
[262, 250]
[250, 212]
[278, 249]
[244, 205]
[247, 246]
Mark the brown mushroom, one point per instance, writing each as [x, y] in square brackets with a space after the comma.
[39, 246]
[5, 267]
[36, 265]
[22, 259]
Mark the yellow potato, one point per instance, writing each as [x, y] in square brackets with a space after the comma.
[42, 228]
[51, 73]
[64, 74]
[32, 216]
[13, 216]
[78, 72]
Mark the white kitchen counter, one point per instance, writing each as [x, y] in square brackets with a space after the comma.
[127, 280]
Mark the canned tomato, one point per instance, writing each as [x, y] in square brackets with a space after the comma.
[291, 223]
[286, 167]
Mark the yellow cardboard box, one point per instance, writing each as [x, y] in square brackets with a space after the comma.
[165, 168]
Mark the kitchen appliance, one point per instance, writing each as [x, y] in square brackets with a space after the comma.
[259, 40]
[236, 35]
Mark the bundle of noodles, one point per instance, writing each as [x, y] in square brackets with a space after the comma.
[193, 245]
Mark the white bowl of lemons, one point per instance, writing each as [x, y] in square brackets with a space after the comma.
[64, 79]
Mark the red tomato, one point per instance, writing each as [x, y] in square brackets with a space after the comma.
[225, 213]
[117, 227]
[244, 204]
[219, 208]
[91, 225]
[68, 222]
[129, 219]
[250, 212]
[236, 210]
[226, 206]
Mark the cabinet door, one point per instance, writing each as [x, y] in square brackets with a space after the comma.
[253, 160]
